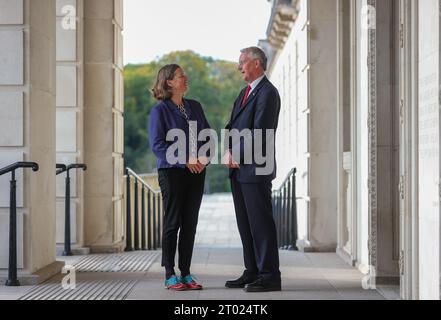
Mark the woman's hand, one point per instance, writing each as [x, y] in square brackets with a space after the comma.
[195, 166]
[203, 160]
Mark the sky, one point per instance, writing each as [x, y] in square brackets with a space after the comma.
[216, 28]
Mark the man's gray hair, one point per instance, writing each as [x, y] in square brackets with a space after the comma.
[257, 53]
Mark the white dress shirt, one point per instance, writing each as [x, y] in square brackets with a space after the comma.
[255, 83]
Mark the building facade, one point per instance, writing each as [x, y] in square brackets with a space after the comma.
[360, 84]
[61, 101]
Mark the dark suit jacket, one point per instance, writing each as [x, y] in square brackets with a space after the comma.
[261, 111]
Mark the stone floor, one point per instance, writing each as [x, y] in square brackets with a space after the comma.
[316, 276]
[9, 293]
[217, 258]
[305, 276]
[217, 223]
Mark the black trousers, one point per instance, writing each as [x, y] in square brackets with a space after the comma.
[253, 206]
[182, 194]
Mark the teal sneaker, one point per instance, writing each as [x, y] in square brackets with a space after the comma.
[174, 283]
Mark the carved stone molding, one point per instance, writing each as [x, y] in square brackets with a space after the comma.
[372, 136]
[401, 263]
[283, 16]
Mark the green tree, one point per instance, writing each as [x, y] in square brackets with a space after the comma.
[214, 83]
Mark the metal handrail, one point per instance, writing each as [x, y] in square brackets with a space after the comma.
[19, 165]
[288, 177]
[67, 228]
[137, 177]
[61, 168]
[285, 212]
[12, 268]
[149, 214]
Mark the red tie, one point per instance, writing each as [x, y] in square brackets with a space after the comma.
[246, 95]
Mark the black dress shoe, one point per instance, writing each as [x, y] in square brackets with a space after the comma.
[245, 279]
[263, 285]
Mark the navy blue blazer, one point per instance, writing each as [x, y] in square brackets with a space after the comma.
[166, 116]
[261, 111]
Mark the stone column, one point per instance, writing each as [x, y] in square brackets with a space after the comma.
[347, 241]
[27, 132]
[377, 109]
[322, 123]
[103, 125]
[429, 149]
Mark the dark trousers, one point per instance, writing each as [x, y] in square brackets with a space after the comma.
[182, 194]
[256, 226]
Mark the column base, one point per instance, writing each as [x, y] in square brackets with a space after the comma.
[387, 280]
[346, 257]
[380, 279]
[114, 248]
[38, 277]
[306, 246]
[76, 251]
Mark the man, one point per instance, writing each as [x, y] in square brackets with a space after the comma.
[257, 107]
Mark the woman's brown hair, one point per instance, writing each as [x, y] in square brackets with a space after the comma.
[161, 90]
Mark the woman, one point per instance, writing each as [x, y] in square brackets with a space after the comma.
[182, 184]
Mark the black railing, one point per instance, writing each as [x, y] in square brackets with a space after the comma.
[285, 212]
[67, 227]
[145, 231]
[12, 269]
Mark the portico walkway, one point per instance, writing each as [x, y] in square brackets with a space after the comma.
[217, 257]
[304, 276]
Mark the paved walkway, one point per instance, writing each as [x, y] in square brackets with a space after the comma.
[217, 223]
[317, 276]
[217, 258]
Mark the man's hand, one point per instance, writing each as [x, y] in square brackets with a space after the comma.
[229, 162]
